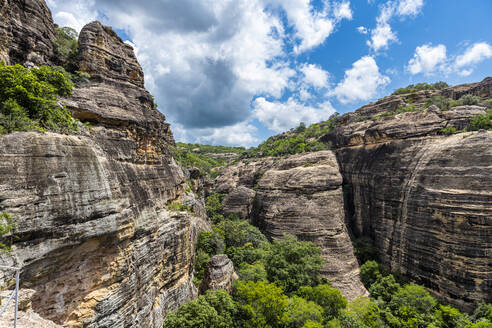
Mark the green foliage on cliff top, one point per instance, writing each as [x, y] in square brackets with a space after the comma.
[299, 140]
[197, 155]
[421, 86]
[28, 99]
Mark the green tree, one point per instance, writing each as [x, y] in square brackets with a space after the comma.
[238, 233]
[197, 313]
[483, 311]
[291, 263]
[469, 99]
[211, 242]
[212, 310]
[246, 254]
[370, 272]
[66, 46]
[366, 311]
[261, 304]
[214, 207]
[300, 311]
[413, 306]
[312, 324]
[252, 272]
[330, 299]
[449, 317]
[7, 228]
[384, 288]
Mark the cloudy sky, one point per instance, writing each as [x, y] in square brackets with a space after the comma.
[234, 72]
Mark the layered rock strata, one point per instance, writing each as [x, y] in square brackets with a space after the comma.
[27, 32]
[219, 274]
[424, 198]
[95, 239]
[301, 196]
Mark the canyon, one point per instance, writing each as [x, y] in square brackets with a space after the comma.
[99, 246]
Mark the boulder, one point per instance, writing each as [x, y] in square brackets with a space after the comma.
[219, 274]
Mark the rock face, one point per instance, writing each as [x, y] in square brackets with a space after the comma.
[239, 201]
[27, 32]
[425, 199]
[95, 240]
[219, 274]
[26, 317]
[302, 196]
[116, 97]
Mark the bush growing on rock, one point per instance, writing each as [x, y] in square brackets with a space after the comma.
[28, 99]
[469, 99]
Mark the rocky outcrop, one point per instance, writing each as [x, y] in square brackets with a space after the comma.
[301, 196]
[239, 201]
[219, 274]
[424, 198]
[116, 97]
[95, 239]
[27, 32]
[26, 317]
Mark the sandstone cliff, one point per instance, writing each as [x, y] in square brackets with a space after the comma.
[95, 240]
[27, 32]
[301, 196]
[424, 198]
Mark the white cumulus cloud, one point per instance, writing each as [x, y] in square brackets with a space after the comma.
[281, 116]
[361, 82]
[410, 7]
[427, 59]
[206, 61]
[475, 54]
[382, 35]
[314, 75]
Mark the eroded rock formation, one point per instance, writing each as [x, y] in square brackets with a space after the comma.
[95, 240]
[301, 196]
[219, 274]
[27, 32]
[424, 198]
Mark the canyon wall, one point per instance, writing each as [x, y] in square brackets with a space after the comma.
[300, 195]
[95, 240]
[424, 198]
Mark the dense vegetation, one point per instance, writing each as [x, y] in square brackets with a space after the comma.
[28, 99]
[299, 140]
[7, 229]
[201, 156]
[421, 86]
[280, 287]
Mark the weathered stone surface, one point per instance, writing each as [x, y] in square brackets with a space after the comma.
[219, 274]
[425, 199]
[27, 32]
[300, 195]
[402, 126]
[116, 96]
[239, 201]
[26, 317]
[95, 239]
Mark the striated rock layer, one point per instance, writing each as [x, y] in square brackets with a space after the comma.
[27, 32]
[425, 199]
[301, 196]
[95, 240]
[219, 274]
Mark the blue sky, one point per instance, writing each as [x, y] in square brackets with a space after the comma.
[234, 72]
